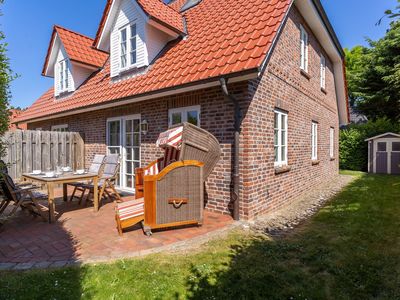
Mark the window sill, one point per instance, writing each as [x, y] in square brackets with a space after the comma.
[324, 91]
[282, 169]
[127, 70]
[305, 74]
[315, 162]
[332, 158]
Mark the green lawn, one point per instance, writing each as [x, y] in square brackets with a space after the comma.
[349, 250]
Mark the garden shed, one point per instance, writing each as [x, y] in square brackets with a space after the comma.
[384, 153]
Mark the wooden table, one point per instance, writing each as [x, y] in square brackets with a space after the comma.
[64, 180]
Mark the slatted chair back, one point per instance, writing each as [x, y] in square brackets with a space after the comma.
[3, 167]
[97, 164]
[8, 187]
[111, 166]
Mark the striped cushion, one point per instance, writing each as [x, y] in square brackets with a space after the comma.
[130, 209]
[153, 170]
[172, 138]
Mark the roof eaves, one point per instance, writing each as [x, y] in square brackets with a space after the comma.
[382, 135]
[150, 93]
[46, 62]
[329, 26]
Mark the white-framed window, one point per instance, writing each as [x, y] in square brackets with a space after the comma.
[331, 142]
[60, 128]
[323, 72]
[128, 46]
[190, 114]
[63, 67]
[280, 137]
[303, 49]
[314, 140]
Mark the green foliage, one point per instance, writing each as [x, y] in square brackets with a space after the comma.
[6, 76]
[349, 250]
[353, 152]
[354, 59]
[392, 13]
[374, 76]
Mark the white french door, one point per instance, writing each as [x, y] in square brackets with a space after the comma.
[123, 137]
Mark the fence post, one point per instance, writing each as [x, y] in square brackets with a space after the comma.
[28, 150]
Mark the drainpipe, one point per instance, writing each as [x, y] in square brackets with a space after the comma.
[235, 177]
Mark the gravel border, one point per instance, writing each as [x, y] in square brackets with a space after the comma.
[284, 220]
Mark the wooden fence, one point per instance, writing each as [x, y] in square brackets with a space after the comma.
[29, 150]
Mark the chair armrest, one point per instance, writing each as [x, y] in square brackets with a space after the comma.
[173, 166]
[23, 190]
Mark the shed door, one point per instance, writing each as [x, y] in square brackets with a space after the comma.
[395, 158]
[382, 158]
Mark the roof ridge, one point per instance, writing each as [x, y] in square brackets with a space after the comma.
[74, 32]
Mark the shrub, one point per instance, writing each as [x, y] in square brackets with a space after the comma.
[353, 154]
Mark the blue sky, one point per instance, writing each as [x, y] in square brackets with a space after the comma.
[28, 27]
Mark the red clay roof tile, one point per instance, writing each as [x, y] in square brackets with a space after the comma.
[78, 47]
[211, 49]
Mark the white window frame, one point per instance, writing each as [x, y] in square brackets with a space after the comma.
[314, 140]
[60, 128]
[278, 161]
[332, 142]
[183, 111]
[122, 146]
[63, 75]
[128, 44]
[323, 72]
[303, 49]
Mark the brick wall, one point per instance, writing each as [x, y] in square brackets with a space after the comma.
[281, 86]
[216, 117]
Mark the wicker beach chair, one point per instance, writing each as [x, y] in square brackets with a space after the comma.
[173, 186]
[96, 167]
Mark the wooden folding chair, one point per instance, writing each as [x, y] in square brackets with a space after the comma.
[107, 179]
[96, 167]
[24, 198]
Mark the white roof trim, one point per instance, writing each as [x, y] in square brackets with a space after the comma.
[173, 91]
[318, 27]
[382, 135]
[55, 47]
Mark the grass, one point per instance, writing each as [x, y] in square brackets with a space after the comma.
[349, 250]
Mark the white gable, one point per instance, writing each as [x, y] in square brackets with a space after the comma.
[150, 38]
[61, 56]
[128, 13]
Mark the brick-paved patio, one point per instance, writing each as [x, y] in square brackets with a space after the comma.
[81, 235]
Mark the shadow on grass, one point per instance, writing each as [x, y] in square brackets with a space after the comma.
[349, 250]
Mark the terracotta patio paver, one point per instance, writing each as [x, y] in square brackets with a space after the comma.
[80, 235]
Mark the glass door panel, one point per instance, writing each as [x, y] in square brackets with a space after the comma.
[123, 137]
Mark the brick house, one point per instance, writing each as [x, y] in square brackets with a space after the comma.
[162, 64]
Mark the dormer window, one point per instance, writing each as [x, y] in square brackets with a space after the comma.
[64, 83]
[128, 46]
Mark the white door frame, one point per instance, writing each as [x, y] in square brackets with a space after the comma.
[122, 142]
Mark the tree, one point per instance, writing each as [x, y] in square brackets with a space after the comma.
[392, 13]
[374, 76]
[354, 59]
[6, 76]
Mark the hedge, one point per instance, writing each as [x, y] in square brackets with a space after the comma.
[353, 151]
